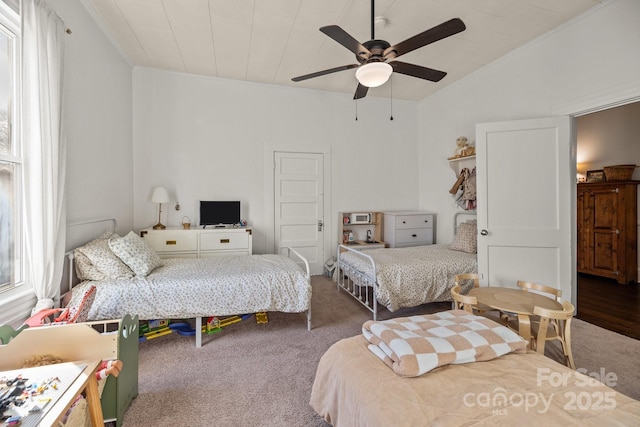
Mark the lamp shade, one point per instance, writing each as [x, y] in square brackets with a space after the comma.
[374, 74]
[160, 195]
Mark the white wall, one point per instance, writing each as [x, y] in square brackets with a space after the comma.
[594, 55]
[206, 138]
[97, 121]
[609, 137]
[590, 58]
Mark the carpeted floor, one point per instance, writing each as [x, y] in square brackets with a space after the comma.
[261, 374]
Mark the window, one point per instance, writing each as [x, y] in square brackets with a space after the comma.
[11, 255]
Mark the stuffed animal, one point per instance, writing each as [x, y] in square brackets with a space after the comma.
[463, 148]
[461, 145]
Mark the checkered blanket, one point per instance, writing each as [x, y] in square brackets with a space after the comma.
[415, 345]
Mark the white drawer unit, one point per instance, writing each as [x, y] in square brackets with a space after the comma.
[409, 228]
[176, 242]
[168, 242]
[222, 243]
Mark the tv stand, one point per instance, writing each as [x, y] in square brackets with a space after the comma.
[177, 242]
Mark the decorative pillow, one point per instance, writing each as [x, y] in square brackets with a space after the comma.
[102, 258]
[466, 239]
[84, 269]
[135, 252]
[78, 310]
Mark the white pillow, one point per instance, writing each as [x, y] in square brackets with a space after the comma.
[85, 270]
[101, 257]
[135, 252]
[466, 238]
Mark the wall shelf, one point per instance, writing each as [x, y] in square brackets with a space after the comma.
[359, 231]
[462, 162]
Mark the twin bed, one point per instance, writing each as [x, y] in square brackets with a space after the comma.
[185, 288]
[407, 277]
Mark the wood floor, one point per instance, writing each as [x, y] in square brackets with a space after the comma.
[605, 303]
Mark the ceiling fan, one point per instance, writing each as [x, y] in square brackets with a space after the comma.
[377, 58]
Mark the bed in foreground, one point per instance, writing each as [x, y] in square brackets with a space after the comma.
[353, 387]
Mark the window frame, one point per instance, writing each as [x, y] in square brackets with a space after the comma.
[10, 26]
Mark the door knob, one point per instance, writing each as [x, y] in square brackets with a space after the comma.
[320, 224]
[484, 232]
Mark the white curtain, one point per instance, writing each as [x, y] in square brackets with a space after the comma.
[43, 35]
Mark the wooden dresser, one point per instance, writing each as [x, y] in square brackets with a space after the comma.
[409, 228]
[607, 229]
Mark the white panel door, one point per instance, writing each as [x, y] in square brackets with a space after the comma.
[299, 206]
[526, 179]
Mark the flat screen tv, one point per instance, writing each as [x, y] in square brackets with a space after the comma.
[219, 213]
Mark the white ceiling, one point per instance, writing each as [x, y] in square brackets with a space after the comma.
[271, 41]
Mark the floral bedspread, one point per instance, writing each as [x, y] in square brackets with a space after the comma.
[201, 287]
[408, 277]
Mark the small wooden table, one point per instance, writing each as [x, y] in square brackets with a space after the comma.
[74, 378]
[515, 301]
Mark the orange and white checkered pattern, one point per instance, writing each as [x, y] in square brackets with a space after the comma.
[415, 345]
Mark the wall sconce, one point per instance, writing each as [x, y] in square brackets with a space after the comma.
[159, 196]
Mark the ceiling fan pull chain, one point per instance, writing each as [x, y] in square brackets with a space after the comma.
[391, 98]
[356, 110]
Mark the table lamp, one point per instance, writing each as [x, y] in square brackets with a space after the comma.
[159, 196]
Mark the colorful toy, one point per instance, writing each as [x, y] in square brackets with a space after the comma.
[215, 324]
[157, 328]
[262, 317]
[109, 367]
[154, 329]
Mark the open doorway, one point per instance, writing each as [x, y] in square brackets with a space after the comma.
[604, 138]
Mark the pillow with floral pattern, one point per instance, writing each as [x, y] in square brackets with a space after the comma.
[466, 238]
[104, 260]
[135, 253]
[84, 269]
[78, 309]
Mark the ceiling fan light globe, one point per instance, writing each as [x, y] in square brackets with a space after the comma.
[374, 74]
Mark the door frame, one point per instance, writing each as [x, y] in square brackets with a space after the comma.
[614, 96]
[269, 193]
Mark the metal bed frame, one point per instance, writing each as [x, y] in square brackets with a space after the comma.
[361, 286]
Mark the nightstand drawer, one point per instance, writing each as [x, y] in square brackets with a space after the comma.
[224, 241]
[171, 241]
[414, 236]
[414, 221]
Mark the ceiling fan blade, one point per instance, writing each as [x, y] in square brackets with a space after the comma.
[323, 72]
[439, 32]
[361, 91]
[345, 39]
[417, 71]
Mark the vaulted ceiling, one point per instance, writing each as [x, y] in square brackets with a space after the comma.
[272, 41]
